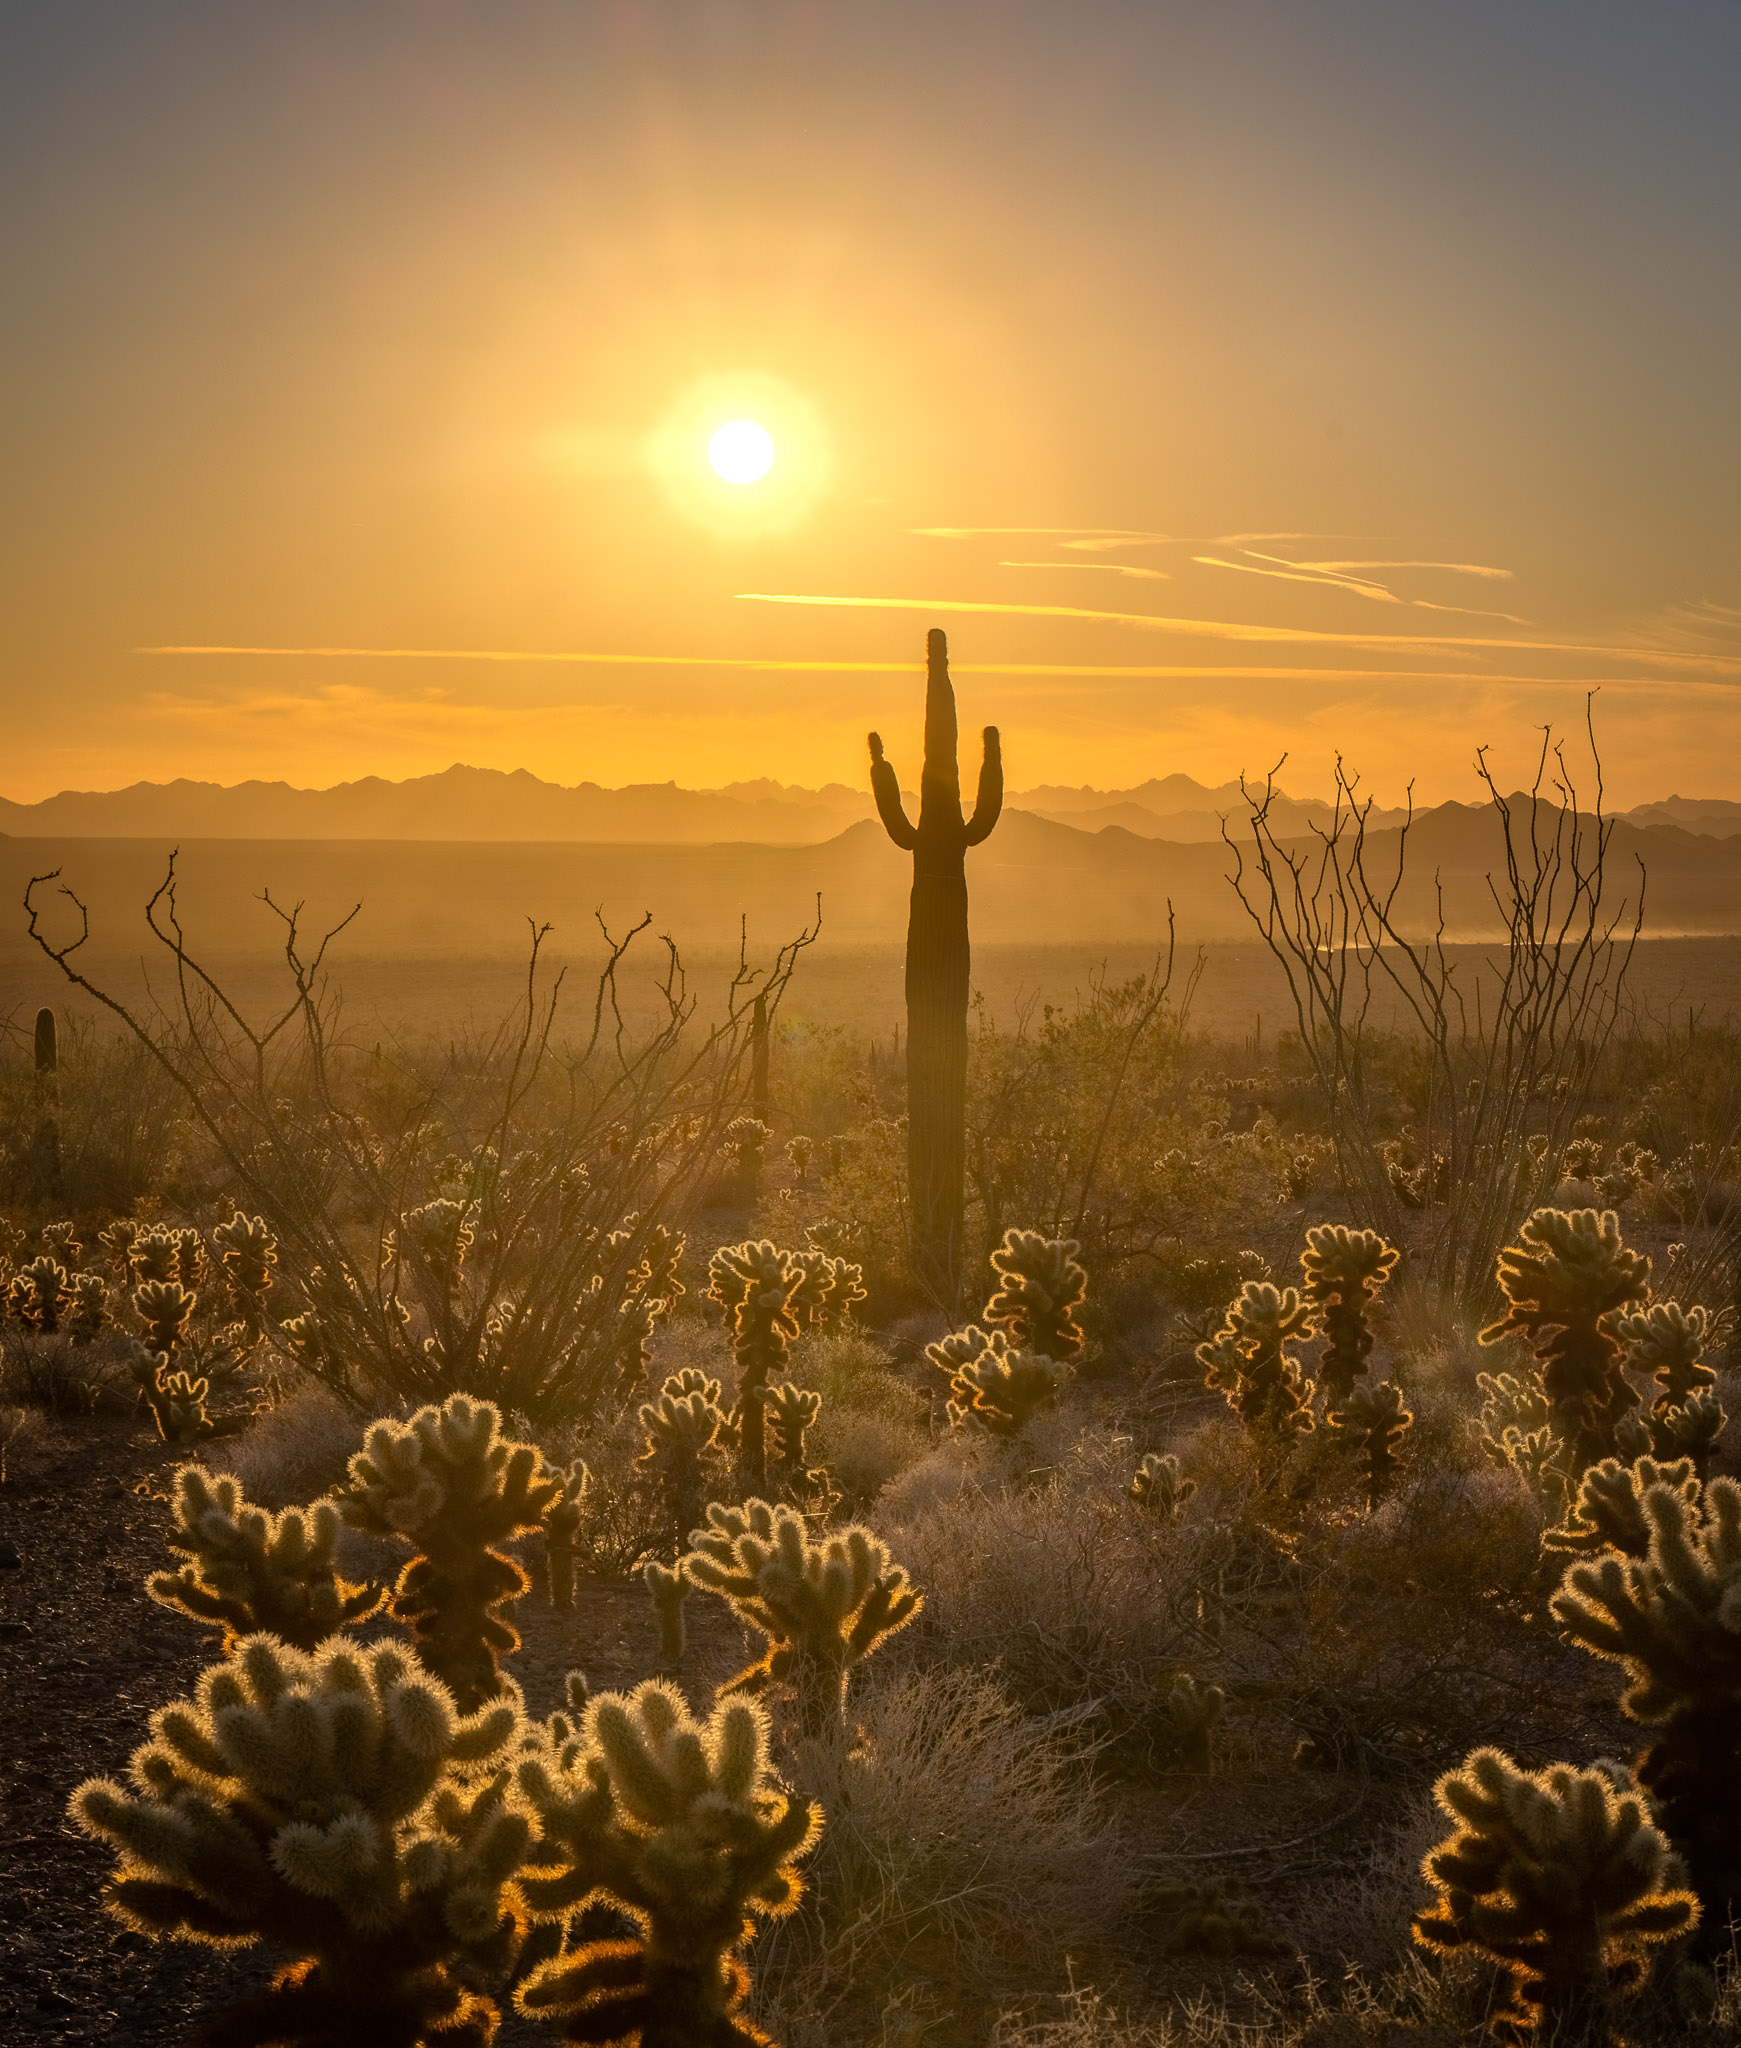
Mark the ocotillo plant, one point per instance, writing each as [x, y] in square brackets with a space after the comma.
[452, 1487]
[1039, 1288]
[335, 1808]
[1558, 1877]
[1562, 1285]
[685, 1827]
[938, 968]
[755, 1283]
[249, 1572]
[1668, 1619]
[1344, 1270]
[823, 1606]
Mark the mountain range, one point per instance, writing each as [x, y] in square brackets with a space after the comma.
[489, 804]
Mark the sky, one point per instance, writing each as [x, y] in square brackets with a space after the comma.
[1231, 380]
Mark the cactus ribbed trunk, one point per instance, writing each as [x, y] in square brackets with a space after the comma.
[938, 965]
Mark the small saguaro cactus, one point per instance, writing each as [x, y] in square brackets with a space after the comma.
[1344, 1272]
[248, 1252]
[1562, 1285]
[823, 1605]
[992, 1385]
[1373, 1419]
[1247, 1360]
[248, 1571]
[1561, 1879]
[451, 1486]
[336, 1808]
[1159, 1487]
[682, 1426]
[1040, 1288]
[685, 1827]
[45, 1140]
[755, 1283]
[1668, 1619]
[938, 968]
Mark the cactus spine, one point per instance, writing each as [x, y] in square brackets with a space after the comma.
[1559, 1878]
[938, 965]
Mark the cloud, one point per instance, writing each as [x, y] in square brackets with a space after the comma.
[1105, 568]
[1376, 591]
[1452, 568]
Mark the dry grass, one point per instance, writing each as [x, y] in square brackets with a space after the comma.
[295, 1450]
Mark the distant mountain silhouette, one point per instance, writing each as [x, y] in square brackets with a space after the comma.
[489, 804]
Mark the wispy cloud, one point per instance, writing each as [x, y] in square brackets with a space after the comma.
[1452, 568]
[1104, 568]
[1289, 571]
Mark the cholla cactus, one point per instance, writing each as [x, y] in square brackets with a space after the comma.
[450, 1485]
[828, 1291]
[1668, 1619]
[799, 1152]
[87, 1312]
[1209, 1920]
[682, 1426]
[1373, 1418]
[117, 1241]
[562, 1531]
[1560, 1878]
[1188, 1715]
[1668, 1343]
[1159, 1487]
[177, 1400]
[755, 1283]
[823, 1606]
[1040, 1288]
[668, 1589]
[1344, 1272]
[1247, 1360]
[251, 1572]
[746, 1139]
[1608, 1513]
[992, 1385]
[60, 1243]
[1563, 1284]
[164, 1307]
[684, 1826]
[154, 1255]
[1689, 1431]
[192, 1267]
[335, 1807]
[1510, 1401]
[37, 1295]
[248, 1252]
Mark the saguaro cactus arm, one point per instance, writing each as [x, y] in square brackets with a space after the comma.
[886, 788]
[988, 805]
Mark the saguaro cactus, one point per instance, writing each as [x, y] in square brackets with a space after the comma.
[937, 967]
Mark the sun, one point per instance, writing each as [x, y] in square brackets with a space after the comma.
[741, 451]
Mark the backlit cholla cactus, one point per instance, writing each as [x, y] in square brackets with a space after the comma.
[562, 1531]
[823, 1605]
[755, 1282]
[1558, 1877]
[60, 1241]
[1668, 1343]
[37, 1296]
[1345, 1270]
[164, 1307]
[117, 1241]
[1669, 1619]
[249, 1572]
[452, 1487]
[87, 1311]
[828, 1292]
[336, 1808]
[683, 1825]
[668, 1589]
[1188, 1715]
[1689, 1431]
[1159, 1487]
[1516, 1431]
[799, 1152]
[1608, 1513]
[1563, 1284]
[1372, 1418]
[1040, 1288]
[1249, 1362]
[177, 1401]
[248, 1252]
[792, 1413]
[992, 1385]
[154, 1255]
[682, 1426]
[746, 1139]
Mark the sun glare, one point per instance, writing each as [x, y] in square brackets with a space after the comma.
[741, 452]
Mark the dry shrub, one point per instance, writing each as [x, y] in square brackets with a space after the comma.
[295, 1450]
[964, 1842]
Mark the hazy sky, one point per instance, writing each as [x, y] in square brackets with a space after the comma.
[1227, 377]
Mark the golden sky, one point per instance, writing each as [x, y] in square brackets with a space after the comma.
[1230, 379]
